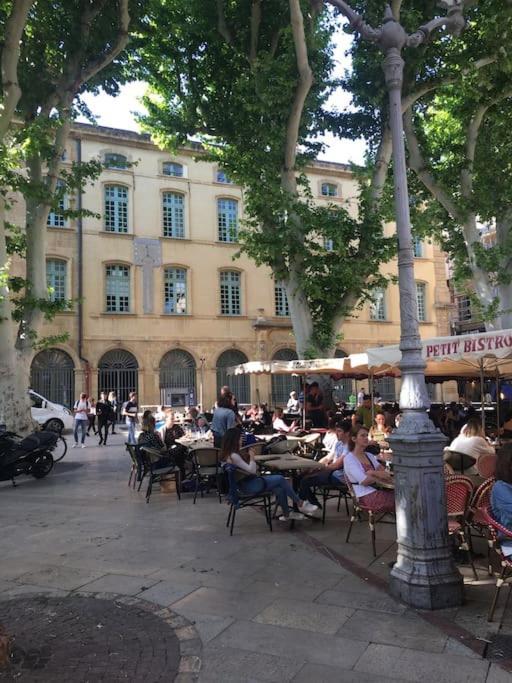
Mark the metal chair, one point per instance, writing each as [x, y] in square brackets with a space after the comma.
[374, 516]
[238, 499]
[458, 460]
[137, 465]
[206, 466]
[459, 491]
[330, 491]
[284, 446]
[150, 458]
[496, 528]
[310, 446]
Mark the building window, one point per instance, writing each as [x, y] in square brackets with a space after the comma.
[328, 245]
[418, 248]
[173, 214]
[116, 161]
[175, 291]
[227, 220]
[464, 309]
[117, 289]
[281, 301]
[378, 305]
[230, 293]
[56, 217]
[56, 275]
[222, 177]
[116, 208]
[173, 169]
[329, 190]
[421, 301]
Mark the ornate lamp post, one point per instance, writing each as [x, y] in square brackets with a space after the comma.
[201, 383]
[424, 575]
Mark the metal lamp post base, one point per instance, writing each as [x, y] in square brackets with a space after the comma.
[425, 575]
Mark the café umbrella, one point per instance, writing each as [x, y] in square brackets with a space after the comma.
[485, 354]
[315, 366]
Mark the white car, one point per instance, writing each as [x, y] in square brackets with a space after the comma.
[50, 415]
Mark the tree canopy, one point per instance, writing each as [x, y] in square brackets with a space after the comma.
[457, 114]
[251, 80]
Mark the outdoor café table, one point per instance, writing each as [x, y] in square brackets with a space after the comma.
[191, 444]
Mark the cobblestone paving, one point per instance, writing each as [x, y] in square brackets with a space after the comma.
[86, 639]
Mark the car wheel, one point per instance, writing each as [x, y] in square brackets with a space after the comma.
[54, 425]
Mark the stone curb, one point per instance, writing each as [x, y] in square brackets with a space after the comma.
[189, 640]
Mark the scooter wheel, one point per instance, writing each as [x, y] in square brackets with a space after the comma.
[42, 466]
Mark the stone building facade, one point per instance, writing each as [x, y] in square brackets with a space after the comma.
[163, 306]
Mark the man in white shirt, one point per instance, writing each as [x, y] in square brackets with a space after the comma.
[331, 466]
[360, 397]
[81, 409]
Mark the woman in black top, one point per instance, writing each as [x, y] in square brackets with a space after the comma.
[151, 438]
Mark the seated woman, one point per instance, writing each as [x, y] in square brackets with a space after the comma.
[471, 443]
[501, 494]
[279, 424]
[363, 470]
[168, 434]
[379, 432]
[293, 405]
[151, 438]
[203, 428]
[254, 485]
[330, 438]
[252, 412]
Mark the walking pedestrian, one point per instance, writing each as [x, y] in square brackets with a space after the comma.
[104, 415]
[130, 414]
[112, 399]
[81, 409]
[91, 417]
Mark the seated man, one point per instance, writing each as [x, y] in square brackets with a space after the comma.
[364, 412]
[279, 424]
[293, 405]
[331, 470]
[315, 410]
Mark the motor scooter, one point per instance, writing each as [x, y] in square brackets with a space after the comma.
[31, 455]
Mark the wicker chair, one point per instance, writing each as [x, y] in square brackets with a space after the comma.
[237, 499]
[333, 490]
[459, 460]
[374, 516]
[476, 518]
[496, 528]
[310, 446]
[137, 465]
[459, 491]
[486, 465]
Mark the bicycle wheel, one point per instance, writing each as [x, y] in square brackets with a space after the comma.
[60, 450]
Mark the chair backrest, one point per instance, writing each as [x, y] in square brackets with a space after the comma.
[495, 528]
[150, 454]
[311, 439]
[482, 497]
[486, 465]
[351, 491]
[279, 447]
[134, 453]
[459, 490]
[206, 457]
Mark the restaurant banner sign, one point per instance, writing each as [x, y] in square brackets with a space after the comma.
[488, 344]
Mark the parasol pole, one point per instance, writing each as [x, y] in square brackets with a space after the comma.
[482, 392]
[498, 399]
[371, 394]
[303, 401]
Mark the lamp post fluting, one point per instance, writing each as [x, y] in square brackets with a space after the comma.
[424, 574]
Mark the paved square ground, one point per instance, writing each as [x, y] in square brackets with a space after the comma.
[281, 606]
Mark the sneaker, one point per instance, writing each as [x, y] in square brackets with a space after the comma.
[75, 445]
[296, 515]
[83, 445]
[308, 508]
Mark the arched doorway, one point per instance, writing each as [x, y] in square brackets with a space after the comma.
[283, 384]
[342, 388]
[240, 385]
[52, 374]
[178, 379]
[118, 371]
